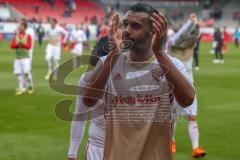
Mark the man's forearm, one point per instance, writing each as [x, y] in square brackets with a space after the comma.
[95, 89]
[183, 90]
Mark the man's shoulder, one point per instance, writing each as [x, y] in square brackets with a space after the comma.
[174, 60]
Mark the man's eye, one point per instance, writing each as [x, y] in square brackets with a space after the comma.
[124, 25]
[136, 26]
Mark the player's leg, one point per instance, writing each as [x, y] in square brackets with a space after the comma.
[31, 56]
[221, 56]
[28, 75]
[216, 60]
[193, 130]
[74, 59]
[48, 57]
[196, 60]
[94, 152]
[18, 72]
[77, 51]
[174, 148]
[56, 59]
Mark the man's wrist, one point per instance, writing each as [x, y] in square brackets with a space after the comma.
[159, 52]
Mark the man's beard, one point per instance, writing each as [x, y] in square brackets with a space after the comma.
[140, 42]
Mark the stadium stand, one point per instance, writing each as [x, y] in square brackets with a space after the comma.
[40, 9]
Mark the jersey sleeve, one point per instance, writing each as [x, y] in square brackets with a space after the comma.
[180, 66]
[64, 33]
[14, 43]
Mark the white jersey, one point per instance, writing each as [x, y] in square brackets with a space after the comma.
[98, 124]
[117, 83]
[78, 37]
[55, 35]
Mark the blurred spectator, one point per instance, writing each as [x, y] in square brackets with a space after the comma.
[206, 4]
[67, 13]
[236, 15]
[52, 3]
[36, 8]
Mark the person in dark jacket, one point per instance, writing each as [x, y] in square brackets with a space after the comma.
[219, 45]
[40, 33]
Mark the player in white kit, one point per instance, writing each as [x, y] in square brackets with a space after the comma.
[143, 26]
[53, 50]
[182, 46]
[96, 132]
[31, 32]
[78, 38]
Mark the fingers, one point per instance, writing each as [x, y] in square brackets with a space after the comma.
[193, 17]
[114, 24]
[159, 24]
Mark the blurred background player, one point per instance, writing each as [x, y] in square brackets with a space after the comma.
[40, 32]
[236, 37]
[226, 38]
[79, 39]
[218, 46]
[22, 42]
[53, 50]
[182, 47]
[31, 32]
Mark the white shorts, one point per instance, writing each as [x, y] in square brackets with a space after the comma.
[188, 67]
[78, 49]
[21, 65]
[53, 52]
[94, 152]
[190, 110]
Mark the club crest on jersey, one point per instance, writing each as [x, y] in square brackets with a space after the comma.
[117, 77]
[157, 73]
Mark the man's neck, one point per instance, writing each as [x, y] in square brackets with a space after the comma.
[140, 55]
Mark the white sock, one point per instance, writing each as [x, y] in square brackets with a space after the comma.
[174, 131]
[20, 81]
[74, 60]
[29, 79]
[56, 65]
[193, 133]
[49, 66]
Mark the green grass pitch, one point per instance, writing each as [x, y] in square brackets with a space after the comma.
[29, 129]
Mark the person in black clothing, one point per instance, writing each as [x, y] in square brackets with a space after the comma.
[196, 53]
[40, 33]
[219, 45]
[98, 50]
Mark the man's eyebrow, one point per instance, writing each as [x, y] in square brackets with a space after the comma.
[132, 21]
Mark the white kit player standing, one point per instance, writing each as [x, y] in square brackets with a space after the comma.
[182, 46]
[30, 31]
[53, 50]
[96, 132]
[78, 38]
